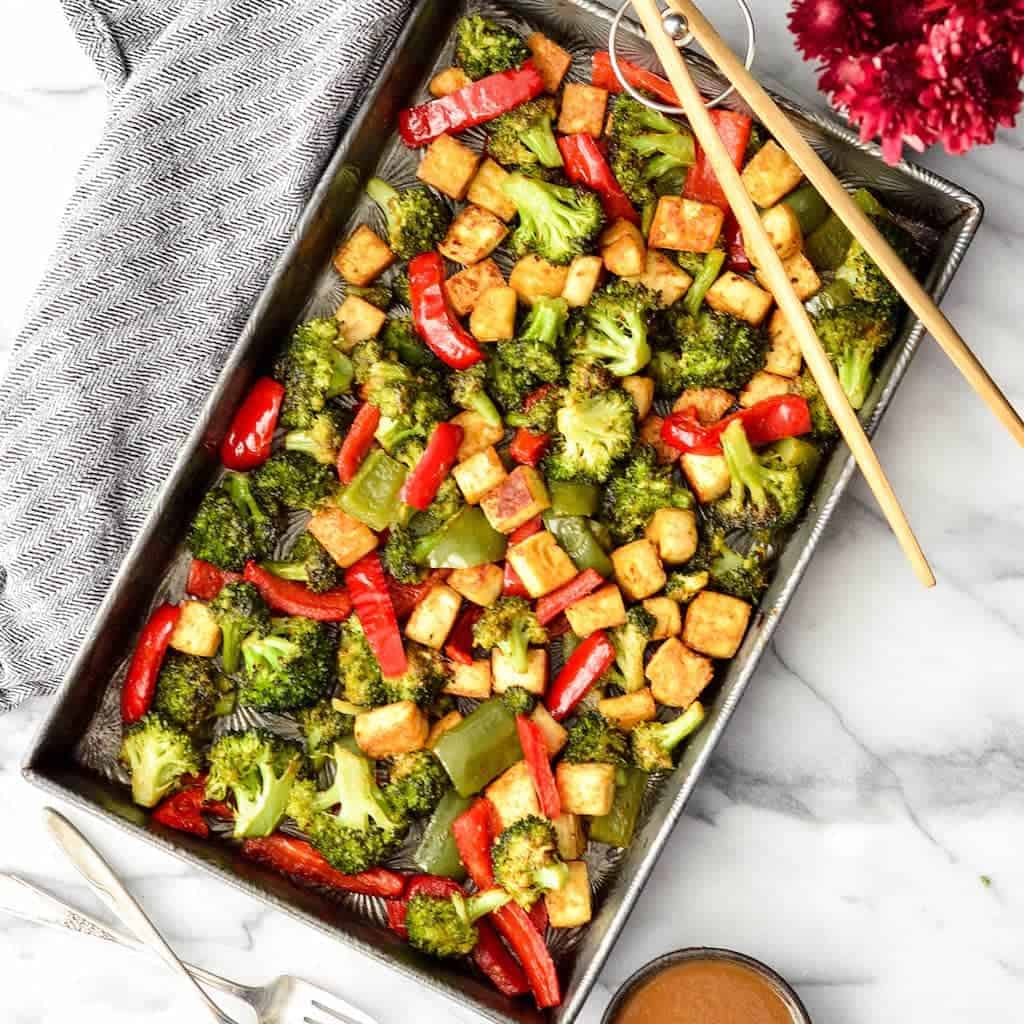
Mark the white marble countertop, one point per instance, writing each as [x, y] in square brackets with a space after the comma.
[861, 825]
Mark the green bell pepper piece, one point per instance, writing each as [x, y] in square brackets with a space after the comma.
[480, 747]
[467, 539]
[437, 853]
[569, 498]
[835, 293]
[798, 454]
[577, 540]
[616, 828]
[826, 247]
[372, 496]
[809, 207]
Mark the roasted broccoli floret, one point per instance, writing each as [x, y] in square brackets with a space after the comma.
[614, 328]
[239, 611]
[853, 335]
[255, 770]
[157, 753]
[538, 411]
[399, 556]
[593, 739]
[468, 390]
[399, 339]
[445, 927]
[288, 668]
[423, 679]
[525, 136]
[510, 625]
[592, 434]
[526, 861]
[416, 782]
[322, 725]
[865, 277]
[519, 700]
[294, 479]
[309, 563]
[637, 491]
[379, 294]
[232, 527]
[684, 585]
[742, 574]
[652, 743]
[187, 690]
[716, 350]
[556, 222]
[518, 367]
[483, 47]
[822, 423]
[313, 370]
[630, 641]
[416, 219]
[323, 437]
[359, 679]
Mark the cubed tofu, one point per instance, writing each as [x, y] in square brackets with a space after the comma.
[715, 624]
[480, 584]
[196, 631]
[685, 225]
[519, 497]
[441, 726]
[630, 709]
[494, 314]
[668, 620]
[582, 279]
[447, 81]
[583, 109]
[477, 434]
[603, 609]
[432, 619]
[392, 729]
[664, 276]
[513, 795]
[473, 236]
[707, 475]
[345, 538]
[585, 788]
[485, 190]
[534, 278]
[479, 474]
[534, 679]
[465, 288]
[623, 250]
[551, 60]
[802, 276]
[363, 258]
[473, 681]
[764, 385]
[674, 533]
[638, 569]
[710, 404]
[449, 166]
[570, 907]
[784, 356]
[678, 675]
[650, 434]
[641, 390]
[783, 229]
[739, 297]
[358, 320]
[554, 733]
[541, 564]
[770, 174]
[570, 835]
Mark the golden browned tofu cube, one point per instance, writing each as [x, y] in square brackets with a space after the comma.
[541, 564]
[432, 619]
[784, 356]
[650, 434]
[449, 166]
[465, 288]
[802, 276]
[783, 229]
[551, 60]
[685, 225]
[641, 390]
[677, 674]
[583, 109]
[569, 907]
[441, 726]
[392, 729]
[494, 314]
[709, 404]
[554, 733]
[739, 297]
[477, 434]
[770, 174]
[582, 279]
[534, 278]
[674, 533]
[472, 236]
[513, 795]
[585, 788]
[622, 249]
[664, 276]
[358, 321]
[473, 681]
[447, 81]
[630, 709]
[764, 385]
[715, 624]
[345, 538]
[603, 609]
[363, 258]
[485, 190]
[707, 475]
[519, 497]
[479, 474]
[667, 617]
[534, 679]
[196, 631]
[480, 584]
[638, 569]
[569, 834]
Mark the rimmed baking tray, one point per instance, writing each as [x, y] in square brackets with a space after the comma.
[73, 755]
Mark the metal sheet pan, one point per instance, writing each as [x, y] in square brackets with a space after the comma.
[73, 755]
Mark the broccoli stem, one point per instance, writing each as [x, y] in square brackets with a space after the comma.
[517, 648]
[744, 469]
[288, 570]
[855, 374]
[231, 646]
[479, 905]
[674, 145]
[482, 405]
[706, 277]
[673, 733]
[551, 876]
[541, 140]
[383, 195]
[303, 441]
[355, 789]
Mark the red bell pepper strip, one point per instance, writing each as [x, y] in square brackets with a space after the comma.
[550, 606]
[369, 589]
[732, 235]
[421, 485]
[771, 419]
[459, 646]
[297, 858]
[491, 956]
[182, 811]
[297, 599]
[603, 75]
[734, 130]
[585, 666]
[472, 833]
[474, 104]
[396, 911]
[559, 627]
[529, 947]
[535, 751]
[358, 441]
[435, 320]
[431, 885]
[247, 442]
[140, 681]
[512, 585]
[405, 596]
[528, 529]
[585, 164]
[539, 916]
[528, 448]
[206, 581]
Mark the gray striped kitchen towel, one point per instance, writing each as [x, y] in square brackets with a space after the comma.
[222, 116]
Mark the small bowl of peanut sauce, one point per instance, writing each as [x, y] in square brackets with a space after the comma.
[702, 985]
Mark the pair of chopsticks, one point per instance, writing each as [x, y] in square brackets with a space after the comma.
[768, 262]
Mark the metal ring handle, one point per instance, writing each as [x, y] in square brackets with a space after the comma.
[675, 25]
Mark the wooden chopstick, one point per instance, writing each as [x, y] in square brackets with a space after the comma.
[768, 262]
[860, 226]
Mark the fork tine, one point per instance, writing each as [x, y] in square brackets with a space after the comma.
[334, 1013]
